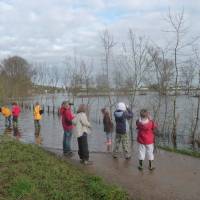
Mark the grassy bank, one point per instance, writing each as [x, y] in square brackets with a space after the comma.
[28, 172]
[181, 151]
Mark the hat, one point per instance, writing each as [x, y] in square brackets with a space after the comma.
[121, 106]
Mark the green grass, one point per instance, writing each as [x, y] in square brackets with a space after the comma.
[181, 151]
[28, 172]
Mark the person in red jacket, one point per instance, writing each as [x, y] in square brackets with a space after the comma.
[15, 113]
[145, 138]
[67, 117]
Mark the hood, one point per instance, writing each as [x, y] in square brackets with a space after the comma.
[143, 121]
[121, 106]
[118, 113]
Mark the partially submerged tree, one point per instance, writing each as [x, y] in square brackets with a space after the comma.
[195, 127]
[177, 29]
[135, 63]
[187, 75]
[108, 44]
[162, 71]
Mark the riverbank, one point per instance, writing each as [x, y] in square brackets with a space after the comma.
[176, 177]
[29, 172]
[187, 152]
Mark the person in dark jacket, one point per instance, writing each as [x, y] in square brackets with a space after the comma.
[122, 114]
[108, 127]
[67, 117]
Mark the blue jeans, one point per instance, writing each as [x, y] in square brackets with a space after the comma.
[67, 141]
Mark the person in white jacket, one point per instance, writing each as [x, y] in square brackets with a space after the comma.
[81, 130]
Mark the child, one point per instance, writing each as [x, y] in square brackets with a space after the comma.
[145, 138]
[15, 113]
[37, 113]
[122, 114]
[108, 127]
[7, 114]
[82, 127]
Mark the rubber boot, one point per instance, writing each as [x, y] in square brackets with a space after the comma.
[151, 165]
[140, 167]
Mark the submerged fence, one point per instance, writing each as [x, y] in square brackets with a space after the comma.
[55, 110]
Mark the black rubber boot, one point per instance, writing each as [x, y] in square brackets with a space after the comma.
[151, 165]
[140, 167]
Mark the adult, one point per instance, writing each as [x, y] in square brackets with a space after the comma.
[67, 117]
[122, 114]
[82, 129]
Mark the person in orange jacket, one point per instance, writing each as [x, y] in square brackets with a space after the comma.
[37, 113]
[7, 114]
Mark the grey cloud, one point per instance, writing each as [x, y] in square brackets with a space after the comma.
[50, 30]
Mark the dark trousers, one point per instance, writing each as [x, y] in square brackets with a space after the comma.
[83, 147]
[37, 127]
[15, 125]
[15, 122]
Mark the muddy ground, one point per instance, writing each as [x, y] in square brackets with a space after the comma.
[177, 177]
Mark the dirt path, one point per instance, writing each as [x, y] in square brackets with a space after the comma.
[177, 177]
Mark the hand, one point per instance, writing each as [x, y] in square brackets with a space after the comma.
[149, 117]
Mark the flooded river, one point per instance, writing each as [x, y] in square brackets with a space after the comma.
[52, 132]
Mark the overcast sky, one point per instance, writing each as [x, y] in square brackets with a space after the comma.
[49, 30]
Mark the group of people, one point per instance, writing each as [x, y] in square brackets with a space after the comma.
[11, 116]
[79, 125]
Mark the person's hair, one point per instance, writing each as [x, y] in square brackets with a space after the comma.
[82, 108]
[14, 103]
[103, 110]
[64, 103]
[144, 113]
[37, 103]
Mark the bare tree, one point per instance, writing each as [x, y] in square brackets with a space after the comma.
[188, 74]
[119, 83]
[54, 76]
[86, 71]
[163, 72]
[196, 121]
[135, 63]
[108, 44]
[176, 23]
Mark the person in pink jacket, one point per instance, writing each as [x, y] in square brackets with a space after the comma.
[145, 138]
[15, 113]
